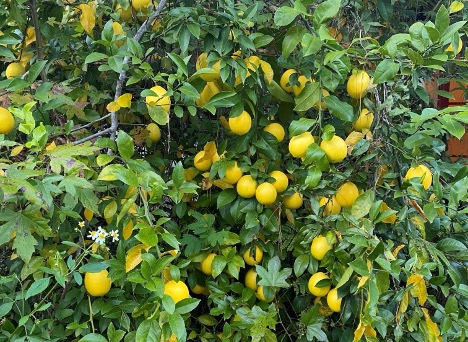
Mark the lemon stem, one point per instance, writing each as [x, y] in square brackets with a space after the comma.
[91, 313]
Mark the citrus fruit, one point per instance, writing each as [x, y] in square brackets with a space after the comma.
[160, 99]
[141, 5]
[334, 303]
[332, 207]
[251, 279]
[202, 165]
[240, 124]
[233, 174]
[320, 247]
[390, 219]
[177, 290]
[97, 284]
[364, 121]
[284, 80]
[335, 149]
[357, 84]
[206, 264]
[347, 194]
[460, 46]
[14, 69]
[260, 294]
[117, 28]
[302, 83]
[421, 171]
[293, 201]
[275, 129]
[299, 143]
[125, 14]
[198, 289]
[246, 186]
[201, 61]
[265, 193]
[318, 291]
[253, 260]
[7, 121]
[324, 310]
[281, 180]
[154, 132]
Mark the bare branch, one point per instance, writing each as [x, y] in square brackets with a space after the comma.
[123, 74]
[40, 52]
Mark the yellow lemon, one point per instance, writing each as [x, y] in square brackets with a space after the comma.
[293, 201]
[251, 279]
[154, 132]
[125, 14]
[141, 5]
[246, 186]
[357, 84]
[275, 129]
[332, 207]
[7, 121]
[177, 290]
[206, 264]
[318, 291]
[14, 69]
[281, 180]
[97, 284]
[347, 194]
[253, 260]
[285, 80]
[335, 149]
[320, 247]
[233, 174]
[460, 46]
[241, 124]
[421, 171]
[198, 289]
[364, 121]
[334, 303]
[265, 193]
[302, 83]
[202, 165]
[160, 99]
[299, 143]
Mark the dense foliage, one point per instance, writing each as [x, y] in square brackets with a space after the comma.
[121, 189]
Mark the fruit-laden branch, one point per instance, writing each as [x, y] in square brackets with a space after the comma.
[120, 82]
[40, 52]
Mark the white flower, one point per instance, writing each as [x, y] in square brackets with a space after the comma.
[101, 236]
[115, 235]
[81, 224]
[93, 234]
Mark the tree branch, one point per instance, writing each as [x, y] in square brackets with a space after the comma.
[123, 74]
[40, 52]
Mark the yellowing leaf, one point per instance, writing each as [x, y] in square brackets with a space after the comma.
[190, 173]
[133, 258]
[370, 332]
[210, 151]
[125, 100]
[353, 138]
[113, 107]
[456, 6]
[224, 122]
[222, 184]
[418, 289]
[87, 18]
[432, 328]
[51, 146]
[398, 249]
[358, 332]
[127, 230]
[362, 281]
[267, 70]
[172, 252]
[403, 306]
[17, 150]
[110, 210]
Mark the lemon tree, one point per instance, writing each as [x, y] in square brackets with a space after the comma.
[232, 171]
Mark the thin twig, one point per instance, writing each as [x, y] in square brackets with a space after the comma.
[120, 82]
[40, 52]
[90, 123]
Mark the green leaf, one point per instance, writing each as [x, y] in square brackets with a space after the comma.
[147, 236]
[363, 204]
[6, 53]
[314, 175]
[360, 267]
[176, 322]
[93, 267]
[93, 338]
[442, 20]
[95, 56]
[385, 9]
[114, 335]
[274, 276]
[181, 65]
[148, 330]
[385, 71]
[158, 114]
[341, 110]
[37, 287]
[278, 92]
[300, 264]
[345, 277]
[245, 43]
[35, 70]
[451, 124]
[184, 39]
[186, 305]
[118, 172]
[116, 63]
[225, 197]
[308, 97]
[325, 11]
[286, 15]
[5, 308]
[291, 39]
[125, 145]
[310, 44]
[450, 245]
[218, 265]
[300, 126]
[315, 331]
[178, 175]
[170, 240]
